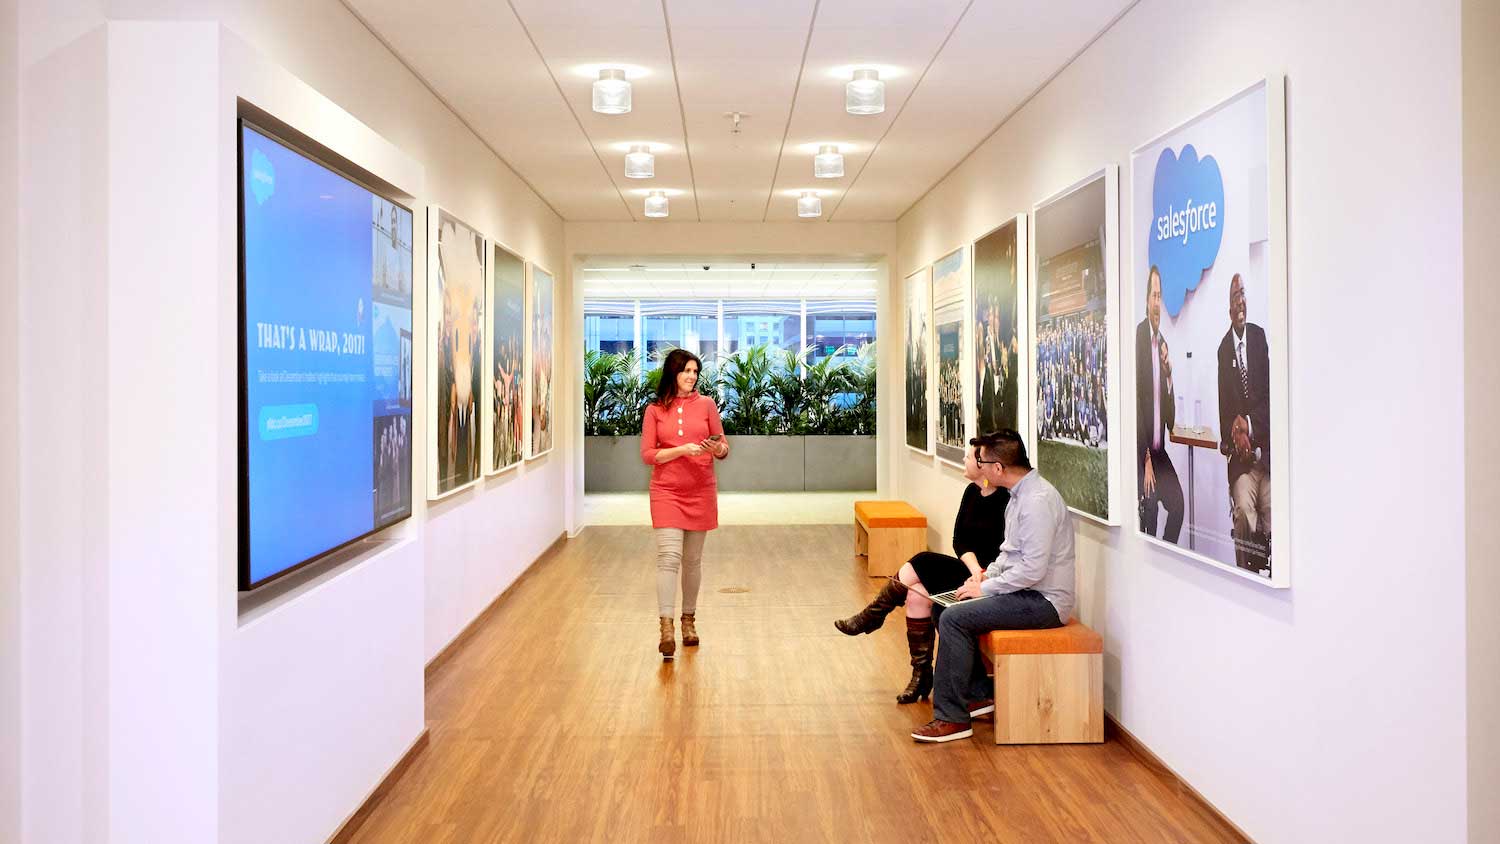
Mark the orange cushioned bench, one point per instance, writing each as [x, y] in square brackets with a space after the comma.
[1049, 684]
[887, 534]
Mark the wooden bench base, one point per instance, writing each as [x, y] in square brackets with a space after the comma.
[887, 534]
[1049, 698]
[1049, 684]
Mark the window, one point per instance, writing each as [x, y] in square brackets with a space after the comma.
[609, 332]
[828, 333]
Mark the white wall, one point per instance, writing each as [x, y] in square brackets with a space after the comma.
[1334, 710]
[134, 657]
[1481, 113]
[10, 580]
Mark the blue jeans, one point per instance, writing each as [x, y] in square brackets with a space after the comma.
[959, 678]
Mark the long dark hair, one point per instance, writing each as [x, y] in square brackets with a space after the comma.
[676, 362]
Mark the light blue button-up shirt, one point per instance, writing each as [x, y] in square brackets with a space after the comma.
[1038, 548]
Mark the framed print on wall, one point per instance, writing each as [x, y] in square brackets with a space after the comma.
[455, 331]
[997, 329]
[918, 360]
[1075, 298]
[950, 283]
[540, 382]
[506, 361]
[1209, 306]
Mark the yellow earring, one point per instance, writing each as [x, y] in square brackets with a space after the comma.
[984, 483]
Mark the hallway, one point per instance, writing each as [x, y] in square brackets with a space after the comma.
[554, 720]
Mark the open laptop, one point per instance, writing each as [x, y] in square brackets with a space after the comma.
[946, 599]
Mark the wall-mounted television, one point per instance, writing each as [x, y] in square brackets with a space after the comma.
[325, 427]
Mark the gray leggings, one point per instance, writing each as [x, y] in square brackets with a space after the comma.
[678, 549]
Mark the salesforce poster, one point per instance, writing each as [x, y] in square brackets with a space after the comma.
[1210, 336]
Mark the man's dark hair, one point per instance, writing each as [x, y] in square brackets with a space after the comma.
[1004, 445]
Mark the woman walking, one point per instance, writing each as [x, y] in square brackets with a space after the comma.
[681, 436]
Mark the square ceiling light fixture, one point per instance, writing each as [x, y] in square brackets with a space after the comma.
[656, 204]
[612, 92]
[865, 93]
[809, 205]
[828, 163]
[639, 162]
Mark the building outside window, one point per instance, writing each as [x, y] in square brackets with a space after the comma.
[835, 325]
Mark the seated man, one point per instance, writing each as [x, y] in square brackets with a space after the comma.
[1028, 587]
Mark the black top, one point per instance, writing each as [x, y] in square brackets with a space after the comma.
[980, 526]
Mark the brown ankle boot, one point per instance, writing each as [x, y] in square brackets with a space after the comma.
[668, 644]
[919, 641]
[869, 619]
[689, 630]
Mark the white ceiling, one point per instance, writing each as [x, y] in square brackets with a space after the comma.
[517, 72]
[727, 278]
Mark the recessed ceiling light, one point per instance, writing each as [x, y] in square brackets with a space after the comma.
[612, 92]
[865, 93]
[829, 162]
[640, 163]
[656, 204]
[809, 205]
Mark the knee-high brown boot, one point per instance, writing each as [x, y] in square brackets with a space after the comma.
[919, 640]
[869, 619]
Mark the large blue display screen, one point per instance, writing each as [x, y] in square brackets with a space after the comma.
[326, 359]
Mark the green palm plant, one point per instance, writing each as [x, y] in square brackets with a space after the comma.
[826, 380]
[600, 370]
[788, 393]
[744, 378]
[860, 376]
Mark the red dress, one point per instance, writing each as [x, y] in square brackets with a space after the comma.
[684, 492]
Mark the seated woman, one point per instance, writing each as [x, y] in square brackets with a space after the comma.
[977, 534]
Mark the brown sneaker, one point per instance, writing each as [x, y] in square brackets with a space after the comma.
[938, 730]
[982, 707]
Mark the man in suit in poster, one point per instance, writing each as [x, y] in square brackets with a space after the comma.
[1155, 410]
[1245, 430]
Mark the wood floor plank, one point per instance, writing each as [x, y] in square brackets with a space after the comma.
[556, 720]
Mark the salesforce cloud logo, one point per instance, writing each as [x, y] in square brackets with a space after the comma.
[262, 177]
[1187, 221]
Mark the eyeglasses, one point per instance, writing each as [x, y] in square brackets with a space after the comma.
[977, 460]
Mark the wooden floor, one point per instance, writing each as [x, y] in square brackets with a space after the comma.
[557, 721]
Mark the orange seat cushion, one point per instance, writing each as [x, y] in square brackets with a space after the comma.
[888, 514]
[1072, 638]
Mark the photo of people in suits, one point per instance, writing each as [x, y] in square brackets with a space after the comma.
[996, 280]
[1206, 380]
[457, 316]
[1245, 418]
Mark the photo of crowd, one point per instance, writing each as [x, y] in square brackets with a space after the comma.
[1071, 383]
[950, 283]
[1072, 363]
[918, 313]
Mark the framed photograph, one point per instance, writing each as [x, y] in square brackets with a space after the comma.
[950, 283]
[919, 360]
[456, 324]
[1074, 312]
[505, 361]
[998, 267]
[540, 382]
[1209, 309]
